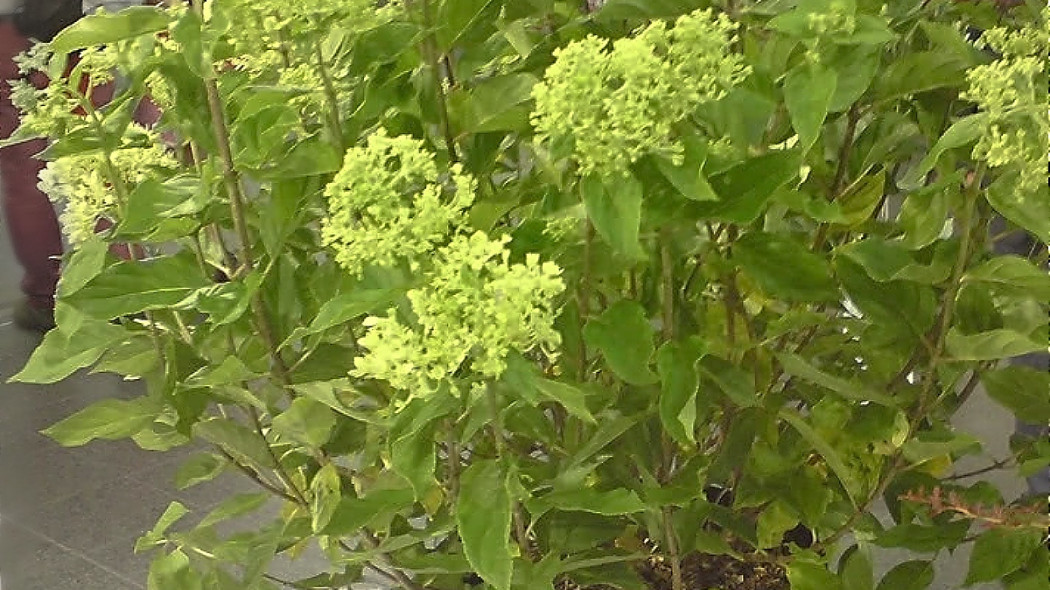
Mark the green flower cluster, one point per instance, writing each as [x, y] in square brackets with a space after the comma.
[80, 182]
[276, 27]
[1011, 92]
[616, 105]
[389, 203]
[476, 307]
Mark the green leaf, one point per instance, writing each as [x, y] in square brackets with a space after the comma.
[773, 522]
[856, 570]
[746, 189]
[679, 381]
[916, 72]
[458, 18]
[737, 384]
[962, 132]
[346, 307]
[610, 503]
[924, 213]
[860, 199]
[153, 201]
[799, 367]
[826, 450]
[910, 575]
[991, 345]
[413, 457]
[625, 338]
[236, 439]
[928, 445]
[306, 421]
[1022, 390]
[109, 419]
[68, 349]
[688, 177]
[354, 513]
[327, 493]
[96, 29]
[172, 572]
[924, 539]
[86, 263]
[616, 211]
[784, 268]
[498, 104]
[1001, 551]
[154, 537]
[197, 469]
[131, 287]
[572, 398]
[234, 507]
[804, 575]
[1012, 274]
[1028, 210]
[483, 515]
[808, 90]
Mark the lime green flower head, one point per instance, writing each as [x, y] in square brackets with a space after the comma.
[1011, 93]
[476, 307]
[81, 183]
[389, 203]
[616, 104]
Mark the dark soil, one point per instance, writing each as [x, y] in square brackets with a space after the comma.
[701, 571]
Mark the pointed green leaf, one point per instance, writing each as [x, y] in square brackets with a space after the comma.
[745, 190]
[483, 515]
[96, 29]
[826, 450]
[679, 381]
[109, 419]
[615, 209]
[808, 90]
[327, 493]
[804, 575]
[784, 268]
[993, 344]
[306, 421]
[799, 367]
[197, 469]
[1027, 209]
[910, 575]
[1023, 390]
[625, 338]
[235, 506]
[236, 439]
[1001, 551]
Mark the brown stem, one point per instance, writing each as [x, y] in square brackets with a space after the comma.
[852, 118]
[434, 59]
[677, 583]
[332, 97]
[237, 207]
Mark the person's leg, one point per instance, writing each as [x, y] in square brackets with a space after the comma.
[29, 214]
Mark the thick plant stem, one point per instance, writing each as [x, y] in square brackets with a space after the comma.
[497, 429]
[927, 399]
[668, 330]
[677, 583]
[852, 118]
[434, 61]
[584, 296]
[237, 208]
[331, 97]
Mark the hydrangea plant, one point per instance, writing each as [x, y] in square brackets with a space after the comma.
[561, 294]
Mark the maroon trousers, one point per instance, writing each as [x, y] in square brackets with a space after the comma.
[29, 214]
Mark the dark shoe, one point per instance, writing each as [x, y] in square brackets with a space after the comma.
[32, 318]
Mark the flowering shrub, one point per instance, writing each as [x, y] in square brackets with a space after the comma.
[560, 293]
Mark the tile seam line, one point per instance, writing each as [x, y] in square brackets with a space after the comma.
[75, 553]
